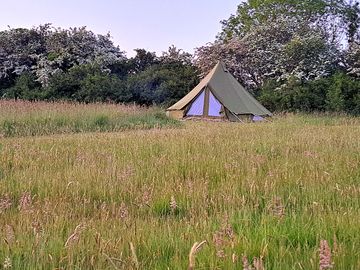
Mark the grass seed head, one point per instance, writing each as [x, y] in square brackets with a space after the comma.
[173, 204]
[75, 236]
[194, 250]
[7, 263]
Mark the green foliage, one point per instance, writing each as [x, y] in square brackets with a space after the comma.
[334, 97]
[25, 87]
[162, 84]
[87, 83]
[344, 94]
[337, 93]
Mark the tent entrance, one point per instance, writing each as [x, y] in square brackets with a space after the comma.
[205, 105]
[197, 106]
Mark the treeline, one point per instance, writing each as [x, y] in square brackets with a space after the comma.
[45, 63]
[293, 55]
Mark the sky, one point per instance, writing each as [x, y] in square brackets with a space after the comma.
[150, 24]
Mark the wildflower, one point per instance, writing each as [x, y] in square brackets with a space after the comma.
[258, 263]
[146, 197]
[5, 203]
[325, 256]
[245, 263]
[25, 202]
[124, 212]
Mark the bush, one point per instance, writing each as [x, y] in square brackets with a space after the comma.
[337, 93]
[25, 87]
[87, 83]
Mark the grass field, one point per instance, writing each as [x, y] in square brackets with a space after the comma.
[140, 199]
[23, 118]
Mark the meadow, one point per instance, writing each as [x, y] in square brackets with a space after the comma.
[283, 194]
[24, 118]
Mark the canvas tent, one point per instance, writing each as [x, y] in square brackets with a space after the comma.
[220, 96]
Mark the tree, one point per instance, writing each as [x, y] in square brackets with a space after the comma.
[44, 51]
[176, 55]
[331, 14]
[25, 87]
[162, 84]
[142, 60]
[352, 60]
[87, 83]
[280, 49]
[335, 98]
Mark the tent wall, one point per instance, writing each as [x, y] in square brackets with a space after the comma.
[238, 117]
[175, 114]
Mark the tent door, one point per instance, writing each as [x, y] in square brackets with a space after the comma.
[215, 106]
[206, 104]
[197, 106]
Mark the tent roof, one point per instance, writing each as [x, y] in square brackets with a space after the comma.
[227, 90]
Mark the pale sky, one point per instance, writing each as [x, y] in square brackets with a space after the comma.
[150, 24]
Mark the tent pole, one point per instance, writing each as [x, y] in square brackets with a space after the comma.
[237, 117]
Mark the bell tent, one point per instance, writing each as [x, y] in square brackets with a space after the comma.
[219, 96]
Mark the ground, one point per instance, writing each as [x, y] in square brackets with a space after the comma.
[140, 199]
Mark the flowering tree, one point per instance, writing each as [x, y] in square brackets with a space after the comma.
[352, 60]
[45, 51]
[280, 49]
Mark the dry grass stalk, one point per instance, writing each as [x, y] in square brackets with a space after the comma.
[194, 250]
[9, 234]
[335, 245]
[111, 261]
[234, 258]
[134, 257]
[75, 236]
[325, 256]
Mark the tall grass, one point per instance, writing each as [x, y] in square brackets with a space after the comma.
[268, 194]
[24, 118]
